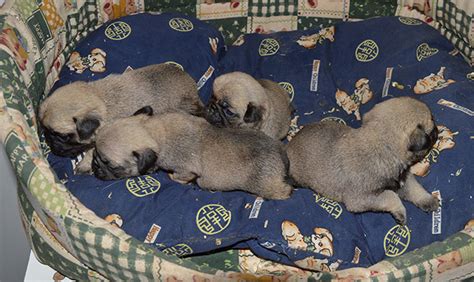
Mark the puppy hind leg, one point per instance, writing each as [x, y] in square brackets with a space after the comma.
[273, 189]
[386, 201]
[412, 191]
[183, 177]
[85, 165]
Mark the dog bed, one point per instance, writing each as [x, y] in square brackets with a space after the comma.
[336, 73]
[308, 230]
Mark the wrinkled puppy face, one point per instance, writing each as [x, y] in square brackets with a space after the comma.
[422, 139]
[70, 123]
[412, 124]
[123, 149]
[234, 102]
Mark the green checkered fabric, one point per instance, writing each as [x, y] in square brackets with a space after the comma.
[73, 240]
[457, 24]
[267, 8]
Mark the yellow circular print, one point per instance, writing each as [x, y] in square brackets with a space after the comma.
[409, 21]
[396, 241]
[424, 51]
[118, 30]
[179, 250]
[180, 24]
[366, 51]
[289, 88]
[212, 219]
[179, 66]
[268, 47]
[336, 119]
[142, 186]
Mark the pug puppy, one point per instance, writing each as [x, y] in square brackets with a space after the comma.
[240, 101]
[367, 168]
[74, 113]
[192, 149]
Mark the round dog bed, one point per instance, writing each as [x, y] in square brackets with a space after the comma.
[81, 245]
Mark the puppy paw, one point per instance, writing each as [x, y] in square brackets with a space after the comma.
[430, 205]
[84, 167]
[400, 217]
[276, 197]
[282, 193]
[180, 178]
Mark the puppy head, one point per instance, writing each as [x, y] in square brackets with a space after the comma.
[70, 118]
[124, 148]
[406, 125]
[238, 101]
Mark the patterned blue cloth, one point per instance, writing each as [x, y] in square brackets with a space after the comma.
[364, 63]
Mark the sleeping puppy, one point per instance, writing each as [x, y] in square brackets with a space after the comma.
[367, 169]
[190, 148]
[74, 113]
[240, 101]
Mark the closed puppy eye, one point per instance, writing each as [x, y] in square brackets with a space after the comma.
[63, 137]
[228, 112]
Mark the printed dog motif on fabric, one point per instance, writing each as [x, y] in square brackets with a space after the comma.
[419, 9]
[114, 219]
[250, 263]
[445, 141]
[113, 9]
[95, 61]
[213, 42]
[351, 104]
[16, 45]
[310, 41]
[294, 128]
[320, 242]
[318, 264]
[239, 41]
[432, 82]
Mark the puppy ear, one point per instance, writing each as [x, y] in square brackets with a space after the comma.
[86, 126]
[253, 113]
[146, 159]
[419, 140]
[147, 110]
[292, 108]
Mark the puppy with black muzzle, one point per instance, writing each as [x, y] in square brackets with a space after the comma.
[240, 101]
[74, 113]
[192, 149]
[367, 168]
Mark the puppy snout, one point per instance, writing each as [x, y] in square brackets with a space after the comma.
[212, 115]
[99, 172]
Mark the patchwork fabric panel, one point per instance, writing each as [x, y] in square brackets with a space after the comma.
[336, 73]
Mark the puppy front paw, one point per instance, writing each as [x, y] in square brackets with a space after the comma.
[430, 205]
[181, 178]
[400, 217]
[83, 167]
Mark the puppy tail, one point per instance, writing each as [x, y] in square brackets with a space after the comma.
[290, 181]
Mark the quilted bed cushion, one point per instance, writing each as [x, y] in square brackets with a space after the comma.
[308, 229]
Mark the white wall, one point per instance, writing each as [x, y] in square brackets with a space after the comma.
[14, 249]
